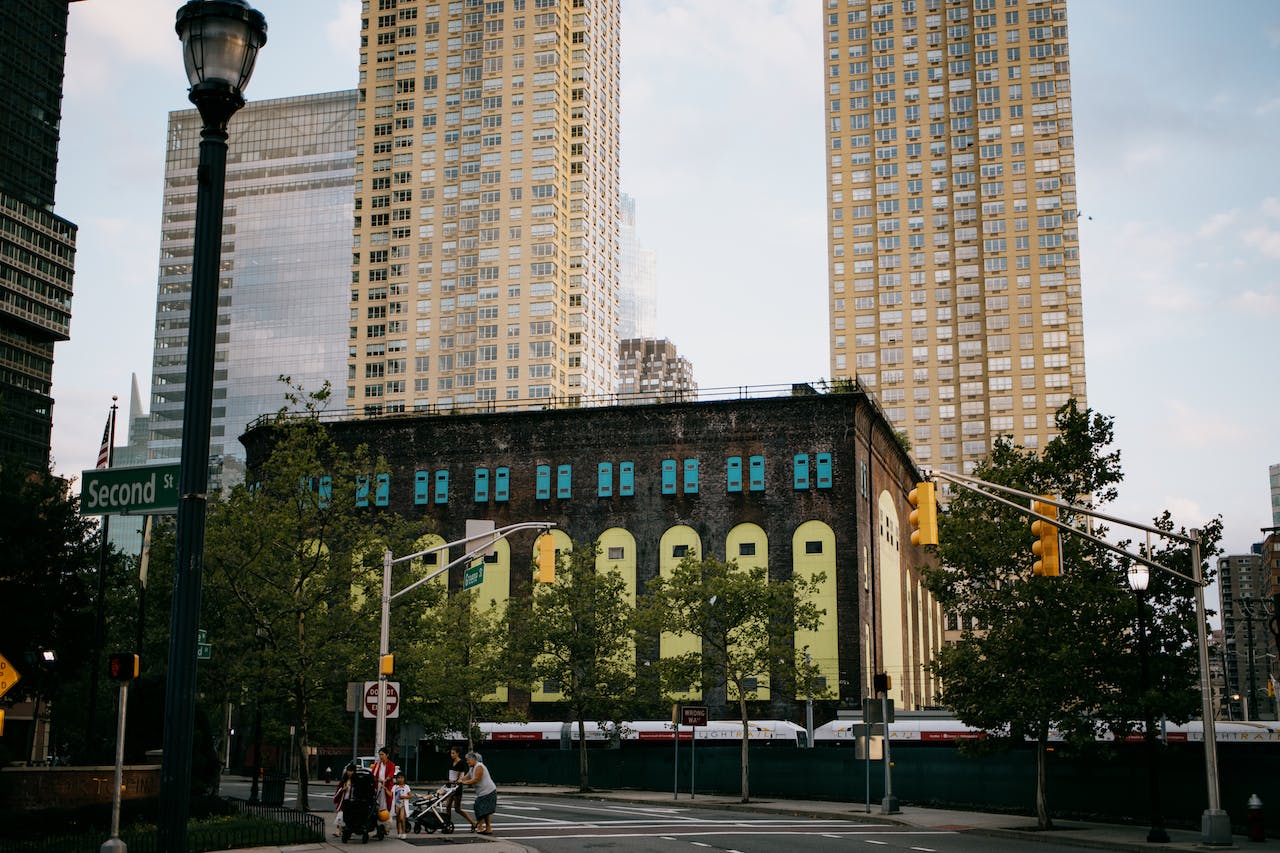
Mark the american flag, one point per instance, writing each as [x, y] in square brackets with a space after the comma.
[104, 452]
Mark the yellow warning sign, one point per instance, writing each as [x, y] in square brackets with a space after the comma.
[8, 676]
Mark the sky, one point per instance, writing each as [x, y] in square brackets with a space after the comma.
[1177, 122]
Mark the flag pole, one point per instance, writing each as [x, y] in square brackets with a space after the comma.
[104, 461]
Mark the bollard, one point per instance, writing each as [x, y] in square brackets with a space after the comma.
[1253, 819]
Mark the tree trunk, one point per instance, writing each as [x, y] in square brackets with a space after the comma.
[1042, 801]
[746, 739]
[582, 755]
[304, 803]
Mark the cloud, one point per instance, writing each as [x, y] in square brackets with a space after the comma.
[1271, 207]
[1196, 428]
[343, 31]
[1218, 223]
[111, 38]
[1253, 303]
[1265, 240]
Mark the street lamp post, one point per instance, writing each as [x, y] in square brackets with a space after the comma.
[220, 41]
[1139, 577]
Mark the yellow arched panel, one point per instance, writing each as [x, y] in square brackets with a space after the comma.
[895, 633]
[813, 550]
[677, 543]
[618, 552]
[493, 593]
[748, 546]
[563, 546]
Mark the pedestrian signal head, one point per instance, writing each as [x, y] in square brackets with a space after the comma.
[122, 667]
[924, 515]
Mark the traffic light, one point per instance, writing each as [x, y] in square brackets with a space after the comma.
[1048, 560]
[924, 515]
[546, 559]
[387, 665]
[122, 667]
[881, 682]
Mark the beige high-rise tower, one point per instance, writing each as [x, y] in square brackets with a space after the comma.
[954, 259]
[484, 265]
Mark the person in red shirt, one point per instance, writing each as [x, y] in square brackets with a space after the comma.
[384, 773]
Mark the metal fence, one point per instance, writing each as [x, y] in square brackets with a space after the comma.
[271, 825]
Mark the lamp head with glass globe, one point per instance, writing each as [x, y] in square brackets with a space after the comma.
[220, 41]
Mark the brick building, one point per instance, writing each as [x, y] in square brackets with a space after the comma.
[798, 482]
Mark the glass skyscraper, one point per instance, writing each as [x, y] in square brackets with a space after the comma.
[286, 260]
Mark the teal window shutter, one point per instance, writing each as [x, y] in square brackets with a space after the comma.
[564, 482]
[757, 474]
[326, 491]
[502, 485]
[734, 476]
[362, 490]
[543, 489]
[668, 476]
[800, 471]
[604, 480]
[691, 476]
[627, 479]
[482, 485]
[382, 491]
[823, 472]
[442, 487]
[421, 487]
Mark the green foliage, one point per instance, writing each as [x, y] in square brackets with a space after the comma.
[578, 633]
[746, 622]
[455, 656]
[294, 574]
[1042, 653]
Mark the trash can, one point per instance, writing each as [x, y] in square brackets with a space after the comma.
[273, 789]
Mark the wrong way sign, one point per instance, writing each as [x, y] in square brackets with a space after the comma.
[371, 700]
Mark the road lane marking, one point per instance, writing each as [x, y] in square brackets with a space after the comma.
[925, 849]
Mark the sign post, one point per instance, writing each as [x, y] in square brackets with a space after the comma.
[694, 716]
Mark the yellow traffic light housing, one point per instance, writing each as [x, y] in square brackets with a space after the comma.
[924, 515]
[122, 667]
[1046, 547]
[546, 558]
[387, 665]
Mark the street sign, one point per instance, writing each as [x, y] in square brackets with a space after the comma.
[135, 490]
[8, 676]
[204, 651]
[873, 710]
[371, 700]
[693, 715]
[473, 576]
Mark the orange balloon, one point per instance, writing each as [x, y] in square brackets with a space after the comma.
[384, 815]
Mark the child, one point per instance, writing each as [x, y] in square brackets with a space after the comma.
[400, 796]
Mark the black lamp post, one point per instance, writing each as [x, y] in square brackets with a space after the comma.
[220, 41]
[1139, 576]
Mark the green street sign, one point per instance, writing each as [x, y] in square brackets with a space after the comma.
[204, 651]
[473, 576]
[202, 636]
[135, 490]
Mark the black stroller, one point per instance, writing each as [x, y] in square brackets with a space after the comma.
[360, 809]
[432, 812]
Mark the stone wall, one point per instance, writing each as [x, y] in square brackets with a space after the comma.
[29, 788]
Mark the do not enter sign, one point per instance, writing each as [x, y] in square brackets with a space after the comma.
[371, 700]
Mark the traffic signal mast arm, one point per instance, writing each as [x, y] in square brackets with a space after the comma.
[981, 487]
[1214, 819]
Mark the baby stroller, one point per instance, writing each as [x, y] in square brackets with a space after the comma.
[432, 812]
[360, 809]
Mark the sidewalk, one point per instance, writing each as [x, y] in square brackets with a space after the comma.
[1076, 833]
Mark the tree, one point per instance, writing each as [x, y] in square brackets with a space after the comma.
[578, 633]
[47, 584]
[298, 564]
[458, 658]
[1045, 653]
[746, 622]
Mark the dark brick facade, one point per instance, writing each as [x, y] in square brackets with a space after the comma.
[867, 462]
